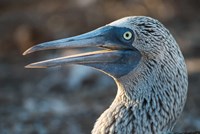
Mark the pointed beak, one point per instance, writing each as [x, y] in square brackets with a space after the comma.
[90, 39]
[116, 59]
[95, 38]
[101, 37]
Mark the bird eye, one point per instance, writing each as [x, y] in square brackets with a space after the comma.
[127, 35]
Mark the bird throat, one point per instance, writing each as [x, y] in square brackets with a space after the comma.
[142, 107]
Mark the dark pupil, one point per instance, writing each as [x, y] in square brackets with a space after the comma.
[127, 35]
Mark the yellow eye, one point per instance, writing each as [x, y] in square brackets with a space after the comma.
[127, 35]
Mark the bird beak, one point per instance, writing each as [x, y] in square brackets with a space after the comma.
[102, 37]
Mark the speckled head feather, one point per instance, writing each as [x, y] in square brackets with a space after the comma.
[147, 65]
[151, 97]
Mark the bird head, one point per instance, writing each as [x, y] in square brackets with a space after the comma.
[119, 56]
[130, 46]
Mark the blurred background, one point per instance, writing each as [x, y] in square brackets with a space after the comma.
[68, 100]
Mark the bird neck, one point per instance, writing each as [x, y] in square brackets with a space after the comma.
[127, 115]
[144, 103]
[118, 116]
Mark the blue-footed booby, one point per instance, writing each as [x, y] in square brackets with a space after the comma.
[145, 61]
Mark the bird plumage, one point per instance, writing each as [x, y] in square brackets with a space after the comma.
[151, 92]
[152, 96]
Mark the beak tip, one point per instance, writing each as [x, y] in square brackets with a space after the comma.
[33, 49]
[28, 66]
[25, 53]
[30, 50]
